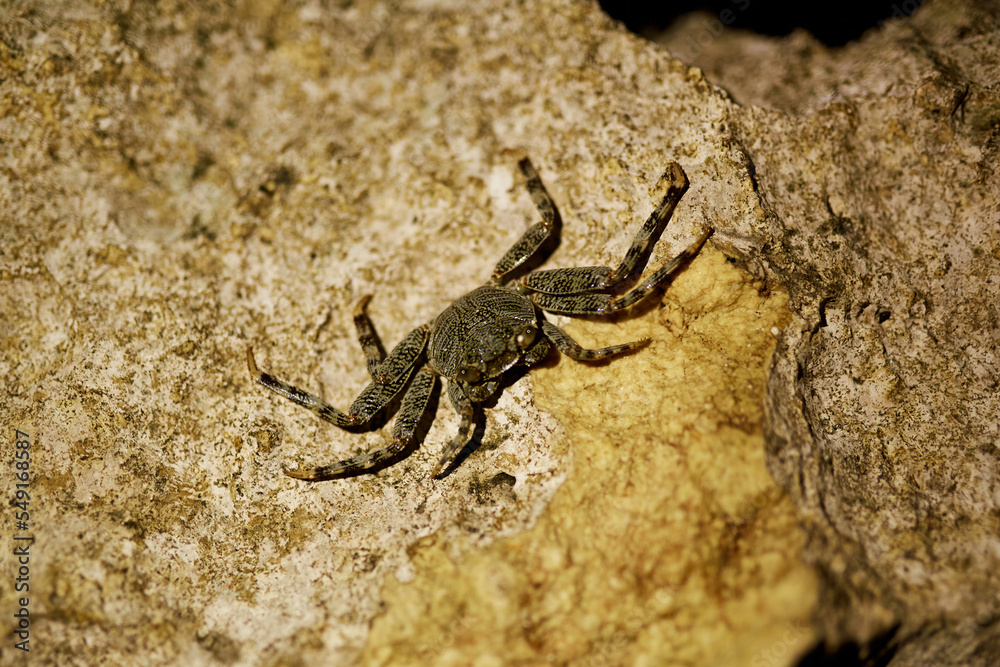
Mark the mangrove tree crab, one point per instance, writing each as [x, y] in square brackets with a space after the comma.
[488, 331]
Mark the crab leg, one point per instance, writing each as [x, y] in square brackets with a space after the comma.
[380, 369]
[370, 342]
[394, 373]
[581, 280]
[604, 304]
[412, 410]
[467, 411]
[539, 234]
[642, 245]
[573, 350]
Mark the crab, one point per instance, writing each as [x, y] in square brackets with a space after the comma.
[477, 340]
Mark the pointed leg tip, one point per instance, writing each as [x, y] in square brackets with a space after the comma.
[528, 169]
[251, 362]
[677, 173]
[300, 473]
[440, 468]
[359, 307]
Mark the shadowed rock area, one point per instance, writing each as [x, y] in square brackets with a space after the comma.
[876, 164]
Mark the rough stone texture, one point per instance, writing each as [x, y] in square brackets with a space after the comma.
[667, 544]
[178, 181]
[876, 166]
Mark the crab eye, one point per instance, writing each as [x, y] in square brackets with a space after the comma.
[526, 336]
[469, 374]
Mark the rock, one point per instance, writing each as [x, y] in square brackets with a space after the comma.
[881, 216]
[180, 182]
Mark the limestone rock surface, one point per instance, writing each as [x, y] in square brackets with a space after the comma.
[179, 181]
[876, 165]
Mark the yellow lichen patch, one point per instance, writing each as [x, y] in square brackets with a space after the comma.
[668, 543]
